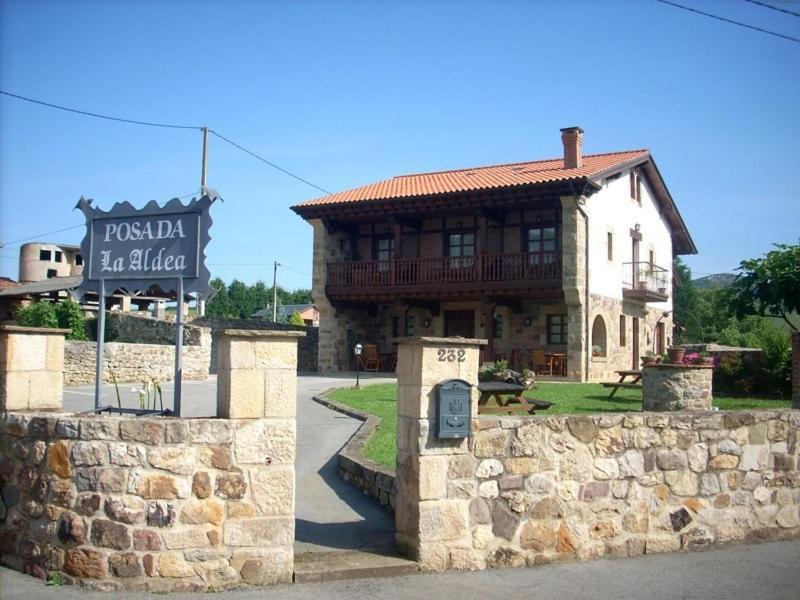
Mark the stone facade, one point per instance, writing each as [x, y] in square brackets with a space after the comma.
[677, 387]
[134, 362]
[136, 328]
[148, 503]
[31, 368]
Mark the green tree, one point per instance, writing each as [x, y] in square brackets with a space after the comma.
[70, 316]
[686, 304]
[296, 319]
[220, 304]
[770, 286]
[41, 313]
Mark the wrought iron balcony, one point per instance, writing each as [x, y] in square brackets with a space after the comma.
[645, 281]
[443, 274]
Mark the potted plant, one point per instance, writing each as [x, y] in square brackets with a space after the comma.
[676, 355]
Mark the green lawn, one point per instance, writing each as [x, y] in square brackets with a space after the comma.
[572, 398]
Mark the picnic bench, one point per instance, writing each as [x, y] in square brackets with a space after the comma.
[509, 399]
[634, 383]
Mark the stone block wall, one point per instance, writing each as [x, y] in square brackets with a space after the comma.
[677, 387]
[534, 490]
[133, 328]
[148, 503]
[31, 368]
[134, 362]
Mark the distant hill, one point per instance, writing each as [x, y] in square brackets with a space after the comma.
[714, 282]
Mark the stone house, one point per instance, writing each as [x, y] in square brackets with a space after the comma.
[569, 259]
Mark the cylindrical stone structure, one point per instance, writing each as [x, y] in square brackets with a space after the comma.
[31, 368]
[428, 521]
[670, 387]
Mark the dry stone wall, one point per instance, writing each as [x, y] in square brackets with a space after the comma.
[540, 489]
[677, 387]
[134, 362]
[148, 503]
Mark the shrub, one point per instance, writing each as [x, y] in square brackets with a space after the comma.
[70, 316]
[296, 319]
[38, 314]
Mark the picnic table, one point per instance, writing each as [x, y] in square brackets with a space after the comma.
[509, 399]
[634, 383]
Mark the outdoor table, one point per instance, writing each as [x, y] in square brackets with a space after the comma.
[634, 383]
[509, 399]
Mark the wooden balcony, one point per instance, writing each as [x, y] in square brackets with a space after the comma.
[444, 276]
[645, 282]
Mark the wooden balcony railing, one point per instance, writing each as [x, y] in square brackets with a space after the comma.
[445, 270]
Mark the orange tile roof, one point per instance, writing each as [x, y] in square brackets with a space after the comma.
[481, 178]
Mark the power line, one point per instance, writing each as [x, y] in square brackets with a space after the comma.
[168, 125]
[271, 164]
[33, 237]
[765, 5]
[98, 115]
[726, 20]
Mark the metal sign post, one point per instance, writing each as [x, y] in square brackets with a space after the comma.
[101, 341]
[176, 402]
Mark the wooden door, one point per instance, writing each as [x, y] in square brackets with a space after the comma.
[635, 340]
[459, 323]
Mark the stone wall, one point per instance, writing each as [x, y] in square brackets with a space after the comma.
[677, 387]
[148, 503]
[541, 489]
[134, 362]
[306, 348]
[134, 328]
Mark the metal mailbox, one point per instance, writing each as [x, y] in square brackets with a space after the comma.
[453, 410]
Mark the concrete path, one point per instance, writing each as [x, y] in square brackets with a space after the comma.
[330, 514]
[746, 572]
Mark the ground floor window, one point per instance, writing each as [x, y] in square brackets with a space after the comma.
[622, 340]
[556, 329]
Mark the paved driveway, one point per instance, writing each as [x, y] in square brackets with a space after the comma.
[330, 514]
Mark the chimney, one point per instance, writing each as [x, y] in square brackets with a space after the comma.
[572, 138]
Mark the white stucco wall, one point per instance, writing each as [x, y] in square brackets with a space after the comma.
[613, 210]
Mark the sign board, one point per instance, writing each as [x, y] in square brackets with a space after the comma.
[136, 248]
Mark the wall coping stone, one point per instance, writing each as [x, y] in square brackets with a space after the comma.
[261, 333]
[449, 341]
[34, 330]
[674, 366]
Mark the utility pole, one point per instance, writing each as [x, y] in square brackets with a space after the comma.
[204, 172]
[275, 291]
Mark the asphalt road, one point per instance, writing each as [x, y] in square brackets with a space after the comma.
[330, 514]
[745, 572]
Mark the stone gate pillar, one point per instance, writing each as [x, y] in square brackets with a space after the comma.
[31, 368]
[429, 517]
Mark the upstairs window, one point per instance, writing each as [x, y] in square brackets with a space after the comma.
[636, 186]
[461, 246]
[59, 256]
[384, 251]
[541, 245]
[78, 260]
[45, 255]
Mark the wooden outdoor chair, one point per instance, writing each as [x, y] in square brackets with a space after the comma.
[370, 360]
[540, 363]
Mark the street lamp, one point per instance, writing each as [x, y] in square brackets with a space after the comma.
[357, 351]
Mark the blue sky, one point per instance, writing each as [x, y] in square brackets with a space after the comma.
[345, 93]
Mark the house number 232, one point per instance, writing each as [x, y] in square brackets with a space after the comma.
[451, 355]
